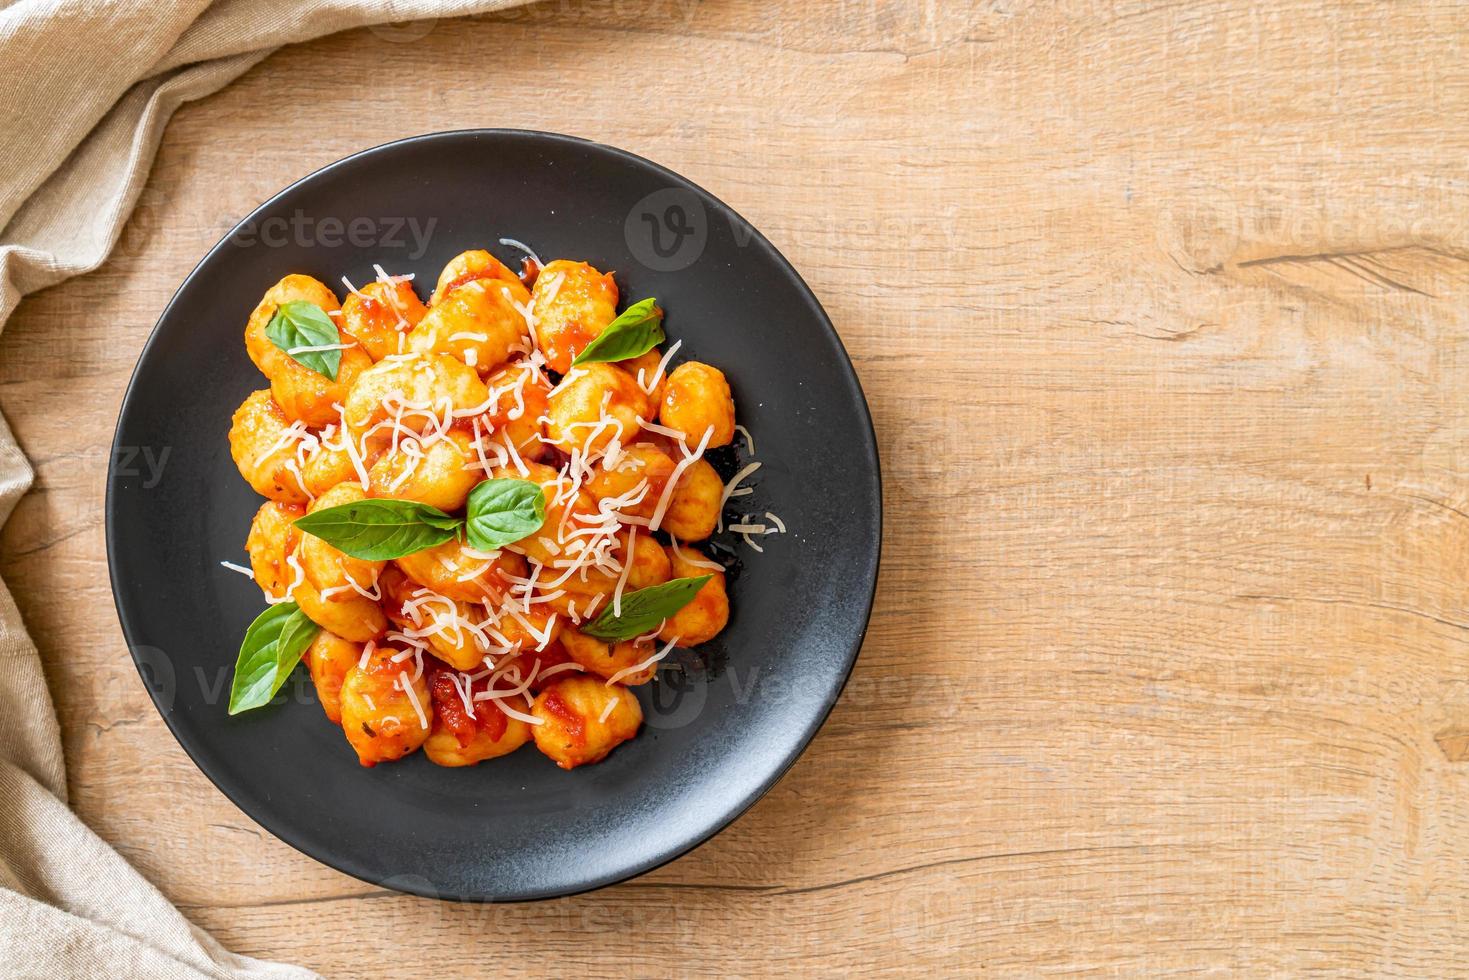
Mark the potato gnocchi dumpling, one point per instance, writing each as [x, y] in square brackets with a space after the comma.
[305, 396]
[271, 540]
[494, 545]
[693, 511]
[264, 452]
[446, 625]
[386, 712]
[517, 405]
[477, 323]
[696, 398]
[467, 731]
[574, 303]
[650, 564]
[269, 358]
[584, 718]
[645, 370]
[380, 315]
[408, 393]
[456, 570]
[474, 265]
[593, 406]
[329, 658]
[349, 615]
[331, 462]
[702, 619]
[622, 660]
[438, 473]
[636, 478]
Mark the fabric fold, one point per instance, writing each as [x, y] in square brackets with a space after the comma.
[89, 89]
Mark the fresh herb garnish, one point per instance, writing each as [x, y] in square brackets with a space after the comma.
[644, 609]
[501, 512]
[271, 649]
[635, 332]
[380, 529]
[299, 324]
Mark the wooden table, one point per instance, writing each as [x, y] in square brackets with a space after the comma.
[1161, 312]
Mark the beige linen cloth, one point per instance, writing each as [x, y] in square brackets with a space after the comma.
[86, 87]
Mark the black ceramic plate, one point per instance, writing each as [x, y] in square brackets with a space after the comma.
[719, 732]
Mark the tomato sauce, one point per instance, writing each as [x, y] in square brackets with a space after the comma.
[572, 723]
[468, 277]
[529, 271]
[449, 710]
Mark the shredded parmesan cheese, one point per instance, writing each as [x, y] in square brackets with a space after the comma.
[607, 710]
[662, 430]
[407, 686]
[652, 383]
[627, 671]
[729, 489]
[524, 248]
[667, 496]
[696, 559]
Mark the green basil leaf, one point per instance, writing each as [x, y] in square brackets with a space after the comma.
[380, 529]
[644, 609]
[638, 330]
[502, 512]
[300, 324]
[271, 649]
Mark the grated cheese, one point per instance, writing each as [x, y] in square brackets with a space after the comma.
[729, 489]
[645, 664]
[317, 347]
[407, 686]
[667, 496]
[524, 248]
[698, 561]
[652, 384]
[289, 595]
[662, 430]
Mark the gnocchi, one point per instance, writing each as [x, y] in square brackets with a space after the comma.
[385, 711]
[329, 658]
[460, 517]
[381, 315]
[695, 398]
[574, 303]
[582, 719]
[594, 406]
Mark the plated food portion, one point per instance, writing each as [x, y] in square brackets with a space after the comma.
[485, 511]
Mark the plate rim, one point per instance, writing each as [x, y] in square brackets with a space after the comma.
[410, 885]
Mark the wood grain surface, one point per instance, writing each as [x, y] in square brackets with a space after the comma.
[1161, 312]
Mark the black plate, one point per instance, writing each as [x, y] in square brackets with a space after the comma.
[717, 736]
